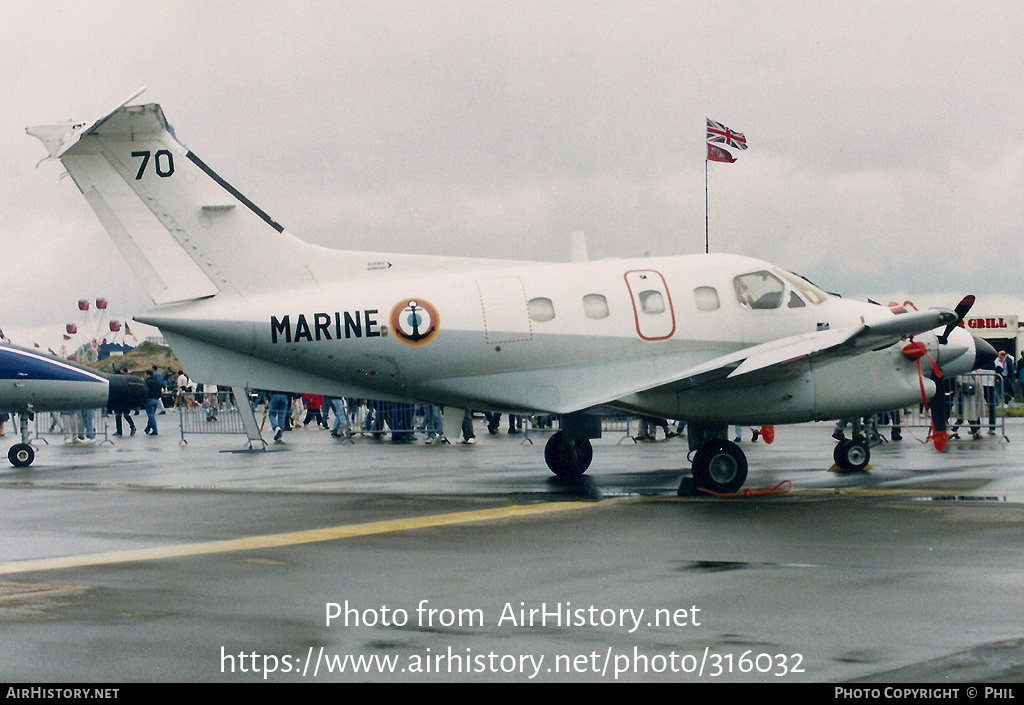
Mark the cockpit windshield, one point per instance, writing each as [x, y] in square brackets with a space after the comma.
[809, 292]
[764, 290]
[759, 290]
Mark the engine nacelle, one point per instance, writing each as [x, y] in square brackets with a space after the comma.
[844, 387]
[872, 383]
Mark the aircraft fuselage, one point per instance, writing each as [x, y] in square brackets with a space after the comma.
[529, 336]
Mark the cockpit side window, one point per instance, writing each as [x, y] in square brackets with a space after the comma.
[759, 290]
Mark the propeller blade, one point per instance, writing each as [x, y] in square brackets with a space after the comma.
[961, 311]
[964, 306]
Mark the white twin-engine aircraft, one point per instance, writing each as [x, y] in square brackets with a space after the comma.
[709, 339]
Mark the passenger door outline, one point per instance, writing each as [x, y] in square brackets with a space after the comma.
[650, 326]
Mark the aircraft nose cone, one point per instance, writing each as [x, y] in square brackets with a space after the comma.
[984, 354]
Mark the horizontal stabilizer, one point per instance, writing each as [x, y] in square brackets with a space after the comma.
[61, 137]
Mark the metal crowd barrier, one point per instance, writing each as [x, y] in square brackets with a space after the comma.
[398, 422]
[200, 413]
[73, 426]
[621, 424]
[977, 402]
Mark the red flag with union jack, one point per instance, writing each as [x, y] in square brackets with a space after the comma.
[720, 134]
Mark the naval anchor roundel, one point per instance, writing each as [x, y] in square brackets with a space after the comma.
[414, 321]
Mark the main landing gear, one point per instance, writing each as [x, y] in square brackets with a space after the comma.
[568, 457]
[569, 452]
[719, 466]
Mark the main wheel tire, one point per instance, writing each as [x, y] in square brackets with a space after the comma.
[720, 466]
[837, 453]
[567, 457]
[21, 455]
[851, 456]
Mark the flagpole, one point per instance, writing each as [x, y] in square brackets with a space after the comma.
[706, 206]
[717, 132]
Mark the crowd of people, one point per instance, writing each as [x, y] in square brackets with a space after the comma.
[970, 398]
[351, 417]
[163, 390]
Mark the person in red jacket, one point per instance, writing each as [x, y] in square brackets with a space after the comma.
[314, 405]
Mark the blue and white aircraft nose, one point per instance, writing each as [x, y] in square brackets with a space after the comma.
[31, 380]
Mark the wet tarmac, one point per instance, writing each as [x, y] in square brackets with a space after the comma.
[319, 560]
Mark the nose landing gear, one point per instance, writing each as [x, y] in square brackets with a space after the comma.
[22, 454]
[851, 456]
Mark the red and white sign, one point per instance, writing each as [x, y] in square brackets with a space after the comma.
[992, 324]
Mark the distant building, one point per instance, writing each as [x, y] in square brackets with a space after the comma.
[1001, 332]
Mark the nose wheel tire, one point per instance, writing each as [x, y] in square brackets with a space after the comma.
[21, 455]
[851, 456]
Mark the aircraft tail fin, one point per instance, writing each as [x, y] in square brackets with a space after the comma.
[185, 232]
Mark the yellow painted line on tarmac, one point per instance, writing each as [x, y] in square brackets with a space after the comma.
[293, 538]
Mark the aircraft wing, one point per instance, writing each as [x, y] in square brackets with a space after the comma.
[777, 359]
[564, 390]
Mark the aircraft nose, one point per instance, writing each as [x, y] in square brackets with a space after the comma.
[984, 354]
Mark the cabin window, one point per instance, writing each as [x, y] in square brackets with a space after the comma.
[652, 301]
[759, 290]
[706, 298]
[541, 309]
[595, 306]
[795, 301]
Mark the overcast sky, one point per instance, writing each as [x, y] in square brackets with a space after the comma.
[886, 139]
